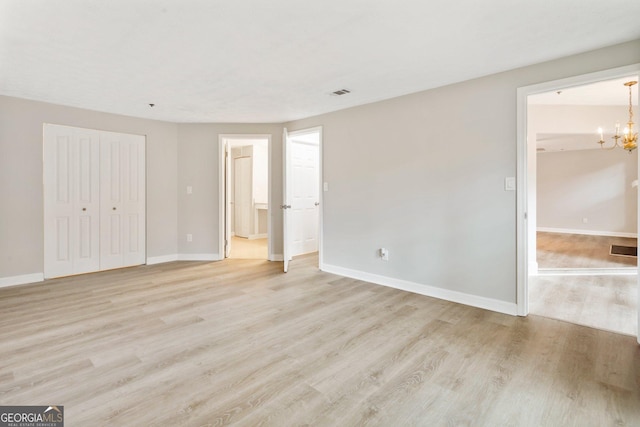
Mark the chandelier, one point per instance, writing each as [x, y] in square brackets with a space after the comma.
[629, 139]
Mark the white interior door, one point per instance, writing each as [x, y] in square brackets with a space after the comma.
[111, 218]
[87, 190]
[286, 199]
[122, 200]
[94, 200]
[242, 196]
[71, 200]
[133, 201]
[305, 197]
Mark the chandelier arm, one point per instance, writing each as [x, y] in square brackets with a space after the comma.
[615, 144]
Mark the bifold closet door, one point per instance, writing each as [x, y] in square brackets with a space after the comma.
[71, 200]
[94, 200]
[122, 200]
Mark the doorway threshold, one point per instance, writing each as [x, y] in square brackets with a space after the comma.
[622, 271]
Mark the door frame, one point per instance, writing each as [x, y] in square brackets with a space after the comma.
[300, 132]
[526, 221]
[223, 177]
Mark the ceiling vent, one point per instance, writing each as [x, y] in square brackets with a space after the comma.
[340, 92]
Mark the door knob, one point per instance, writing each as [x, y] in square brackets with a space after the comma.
[114, 208]
[84, 209]
[286, 206]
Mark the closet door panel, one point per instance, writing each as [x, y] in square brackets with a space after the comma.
[86, 183]
[94, 200]
[71, 202]
[58, 205]
[123, 200]
[111, 255]
[133, 200]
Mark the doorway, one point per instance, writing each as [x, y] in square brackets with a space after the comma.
[245, 196]
[302, 194]
[577, 204]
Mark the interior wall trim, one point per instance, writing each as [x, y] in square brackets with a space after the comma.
[21, 280]
[587, 232]
[430, 291]
[162, 259]
[198, 257]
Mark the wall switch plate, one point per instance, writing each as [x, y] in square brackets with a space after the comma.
[325, 186]
[510, 183]
[189, 189]
[189, 237]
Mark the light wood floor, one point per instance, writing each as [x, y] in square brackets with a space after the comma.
[607, 302]
[558, 250]
[248, 249]
[238, 342]
[603, 301]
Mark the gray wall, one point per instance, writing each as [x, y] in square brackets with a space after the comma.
[423, 175]
[21, 205]
[592, 184]
[198, 161]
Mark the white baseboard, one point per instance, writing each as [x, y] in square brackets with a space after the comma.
[198, 257]
[588, 232]
[430, 291]
[257, 236]
[161, 259]
[21, 280]
[276, 257]
[628, 271]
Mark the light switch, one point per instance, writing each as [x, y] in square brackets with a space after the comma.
[189, 189]
[325, 186]
[510, 183]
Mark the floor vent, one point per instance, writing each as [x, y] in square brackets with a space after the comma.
[631, 251]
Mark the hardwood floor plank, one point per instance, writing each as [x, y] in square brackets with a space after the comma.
[240, 343]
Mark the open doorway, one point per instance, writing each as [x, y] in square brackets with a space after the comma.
[302, 195]
[245, 196]
[580, 201]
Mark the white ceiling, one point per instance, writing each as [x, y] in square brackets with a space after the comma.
[278, 60]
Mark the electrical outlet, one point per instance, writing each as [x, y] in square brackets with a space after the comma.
[585, 220]
[189, 237]
[384, 254]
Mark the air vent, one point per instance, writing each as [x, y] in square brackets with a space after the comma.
[340, 92]
[540, 150]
